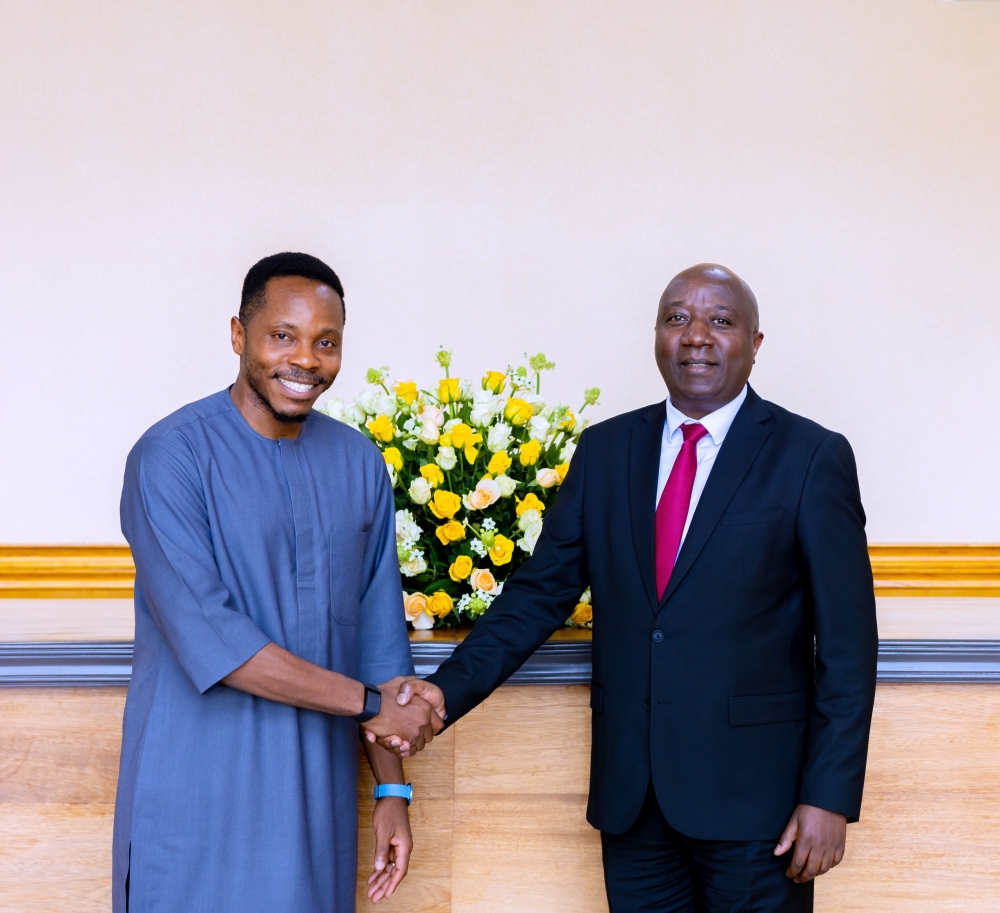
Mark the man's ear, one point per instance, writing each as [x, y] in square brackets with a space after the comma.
[238, 335]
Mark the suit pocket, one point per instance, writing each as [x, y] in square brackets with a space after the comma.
[751, 516]
[347, 552]
[768, 708]
[596, 698]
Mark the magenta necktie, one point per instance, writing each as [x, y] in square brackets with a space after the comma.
[672, 511]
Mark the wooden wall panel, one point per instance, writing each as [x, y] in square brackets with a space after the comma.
[498, 816]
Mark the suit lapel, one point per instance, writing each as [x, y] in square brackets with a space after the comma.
[644, 466]
[746, 435]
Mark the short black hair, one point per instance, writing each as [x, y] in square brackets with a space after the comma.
[277, 266]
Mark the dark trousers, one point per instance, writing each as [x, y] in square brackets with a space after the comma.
[652, 868]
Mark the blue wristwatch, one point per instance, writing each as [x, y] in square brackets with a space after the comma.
[394, 789]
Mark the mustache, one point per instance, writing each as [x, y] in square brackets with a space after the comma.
[300, 377]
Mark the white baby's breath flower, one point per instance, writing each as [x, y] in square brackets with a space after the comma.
[446, 458]
[420, 491]
[507, 485]
[498, 437]
[489, 523]
[478, 548]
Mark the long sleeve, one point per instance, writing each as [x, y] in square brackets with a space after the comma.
[535, 602]
[834, 549]
[165, 520]
[383, 639]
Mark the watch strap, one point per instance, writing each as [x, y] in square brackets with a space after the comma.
[404, 791]
[373, 704]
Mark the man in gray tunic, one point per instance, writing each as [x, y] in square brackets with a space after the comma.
[267, 592]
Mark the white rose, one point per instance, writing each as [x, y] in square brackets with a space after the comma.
[392, 474]
[481, 414]
[446, 458]
[429, 432]
[566, 454]
[420, 491]
[487, 492]
[431, 413]
[464, 389]
[410, 443]
[506, 484]
[407, 529]
[585, 596]
[498, 437]
[334, 408]
[423, 622]
[547, 477]
[415, 564]
[538, 429]
[530, 537]
[377, 402]
[528, 518]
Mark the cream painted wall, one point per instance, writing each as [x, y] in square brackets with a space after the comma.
[501, 177]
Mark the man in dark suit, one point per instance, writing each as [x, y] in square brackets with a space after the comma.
[735, 640]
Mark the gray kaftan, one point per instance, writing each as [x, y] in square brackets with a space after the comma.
[228, 803]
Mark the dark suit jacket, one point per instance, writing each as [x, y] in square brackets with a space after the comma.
[715, 691]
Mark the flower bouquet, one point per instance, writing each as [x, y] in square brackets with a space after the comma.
[474, 469]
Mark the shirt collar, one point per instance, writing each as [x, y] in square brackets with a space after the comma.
[717, 423]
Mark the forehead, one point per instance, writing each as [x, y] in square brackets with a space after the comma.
[697, 291]
[298, 300]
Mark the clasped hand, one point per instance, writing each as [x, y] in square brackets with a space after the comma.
[412, 713]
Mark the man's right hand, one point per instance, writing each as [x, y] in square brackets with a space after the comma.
[403, 726]
[408, 694]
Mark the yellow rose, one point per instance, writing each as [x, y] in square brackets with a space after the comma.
[432, 472]
[529, 452]
[448, 390]
[530, 502]
[547, 478]
[568, 423]
[406, 390]
[381, 429]
[460, 435]
[470, 451]
[444, 440]
[452, 531]
[483, 581]
[582, 614]
[460, 568]
[444, 505]
[414, 605]
[393, 457]
[562, 469]
[501, 550]
[439, 604]
[499, 463]
[494, 381]
[518, 411]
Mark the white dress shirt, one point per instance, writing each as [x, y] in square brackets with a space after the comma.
[707, 449]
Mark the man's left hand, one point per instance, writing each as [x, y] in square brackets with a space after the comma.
[393, 843]
[819, 837]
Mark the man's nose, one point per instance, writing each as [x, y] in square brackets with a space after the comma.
[304, 357]
[697, 334]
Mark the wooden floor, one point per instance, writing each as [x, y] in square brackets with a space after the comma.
[498, 814]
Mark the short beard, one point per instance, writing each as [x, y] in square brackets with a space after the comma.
[262, 400]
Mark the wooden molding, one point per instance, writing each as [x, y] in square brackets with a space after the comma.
[107, 571]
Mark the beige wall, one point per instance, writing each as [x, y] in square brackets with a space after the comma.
[502, 177]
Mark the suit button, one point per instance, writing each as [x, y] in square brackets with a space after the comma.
[657, 636]
[645, 703]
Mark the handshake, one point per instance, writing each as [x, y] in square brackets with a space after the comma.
[412, 713]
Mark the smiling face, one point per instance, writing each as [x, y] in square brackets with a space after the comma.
[289, 354]
[706, 339]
